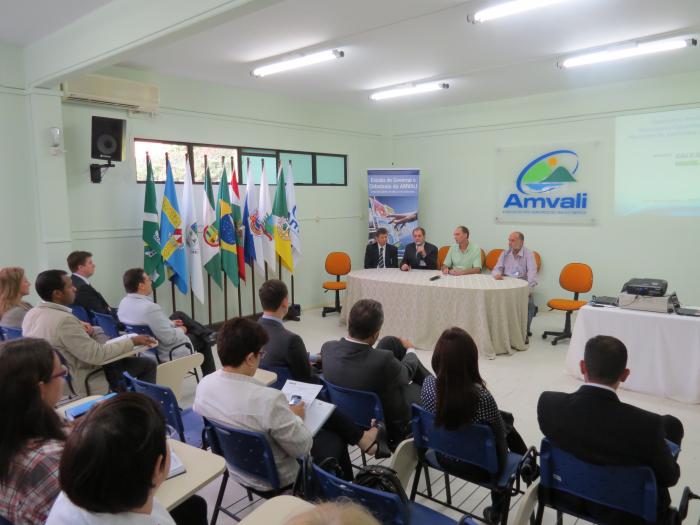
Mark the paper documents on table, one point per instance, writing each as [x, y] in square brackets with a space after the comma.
[122, 337]
[176, 465]
[317, 411]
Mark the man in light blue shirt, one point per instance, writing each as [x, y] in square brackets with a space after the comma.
[519, 262]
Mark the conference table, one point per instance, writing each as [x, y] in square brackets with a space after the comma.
[663, 350]
[494, 312]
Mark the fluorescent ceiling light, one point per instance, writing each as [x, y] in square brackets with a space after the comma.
[409, 90]
[294, 63]
[509, 8]
[628, 51]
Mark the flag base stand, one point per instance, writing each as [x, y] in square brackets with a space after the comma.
[294, 313]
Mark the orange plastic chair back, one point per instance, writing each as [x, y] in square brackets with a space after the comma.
[576, 277]
[538, 260]
[338, 263]
[492, 258]
[442, 253]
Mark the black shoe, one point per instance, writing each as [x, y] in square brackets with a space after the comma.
[491, 515]
[211, 338]
[530, 471]
[381, 441]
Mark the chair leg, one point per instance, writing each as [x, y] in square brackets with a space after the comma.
[250, 495]
[427, 481]
[506, 510]
[564, 334]
[538, 516]
[416, 479]
[364, 458]
[217, 505]
[196, 375]
[560, 518]
[337, 300]
[448, 489]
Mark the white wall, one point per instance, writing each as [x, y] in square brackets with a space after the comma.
[455, 149]
[106, 218]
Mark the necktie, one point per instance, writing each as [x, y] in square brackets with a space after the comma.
[381, 257]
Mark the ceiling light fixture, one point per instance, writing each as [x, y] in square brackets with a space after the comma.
[294, 63]
[509, 8]
[414, 89]
[634, 49]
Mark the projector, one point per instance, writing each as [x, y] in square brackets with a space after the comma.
[650, 287]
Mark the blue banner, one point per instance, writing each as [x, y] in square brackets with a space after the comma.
[393, 204]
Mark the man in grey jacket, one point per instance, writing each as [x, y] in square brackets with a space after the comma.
[53, 321]
[173, 334]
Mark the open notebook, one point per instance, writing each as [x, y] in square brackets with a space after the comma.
[317, 411]
[176, 465]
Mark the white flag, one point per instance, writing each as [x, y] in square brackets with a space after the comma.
[266, 221]
[193, 253]
[254, 224]
[293, 222]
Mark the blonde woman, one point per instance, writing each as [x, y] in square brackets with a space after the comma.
[13, 286]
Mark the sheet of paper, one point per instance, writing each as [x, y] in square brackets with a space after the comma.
[307, 391]
[317, 413]
[176, 465]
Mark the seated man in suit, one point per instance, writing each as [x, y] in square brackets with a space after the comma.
[464, 256]
[419, 255]
[394, 374]
[82, 267]
[595, 426]
[138, 308]
[287, 349]
[53, 321]
[517, 261]
[381, 254]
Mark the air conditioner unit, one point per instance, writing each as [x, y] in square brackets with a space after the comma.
[114, 92]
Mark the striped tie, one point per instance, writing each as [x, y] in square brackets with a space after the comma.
[381, 257]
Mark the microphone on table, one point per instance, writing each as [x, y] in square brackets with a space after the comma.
[435, 277]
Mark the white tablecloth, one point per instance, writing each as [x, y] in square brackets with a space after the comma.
[493, 312]
[663, 349]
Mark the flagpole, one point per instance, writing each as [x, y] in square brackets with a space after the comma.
[172, 291]
[209, 296]
[239, 242]
[291, 274]
[225, 296]
[155, 296]
[252, 281]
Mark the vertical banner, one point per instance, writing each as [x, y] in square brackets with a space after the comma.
[393, 204]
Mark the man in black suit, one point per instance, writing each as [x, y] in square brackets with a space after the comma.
[283, 348]
[82, 267]
[381, 254]
[595, 426]
[287, 349]
[419, 255]
[394, 374]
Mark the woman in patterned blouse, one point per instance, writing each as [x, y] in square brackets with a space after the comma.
[31, 434]
[458, 396]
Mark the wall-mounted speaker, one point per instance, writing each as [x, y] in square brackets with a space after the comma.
[108, 139]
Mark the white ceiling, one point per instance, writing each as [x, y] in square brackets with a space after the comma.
[391, 42]
[23, 22]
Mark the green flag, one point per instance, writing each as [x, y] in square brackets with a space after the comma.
[152, 258]
[211, 259]
[228, 238]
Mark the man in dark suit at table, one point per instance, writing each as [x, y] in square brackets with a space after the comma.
[381, 254]
[595, 426]
[392, 370]
[82, 267]
[419, 255]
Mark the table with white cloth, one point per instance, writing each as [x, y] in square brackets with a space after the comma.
[494, 312]
[663, 350]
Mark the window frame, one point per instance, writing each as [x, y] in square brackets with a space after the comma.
[240, 149]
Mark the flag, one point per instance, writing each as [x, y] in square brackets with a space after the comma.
[152, 258]
[193, 252]
[238, 222]
[210, 232]
[268, 227]
[171, 245]
[227, 231]
[280, 217]
[293, 222]
[253, 242]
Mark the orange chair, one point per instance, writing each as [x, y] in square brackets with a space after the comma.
[538, 260]
[337, 263]
[577, 278]
[492, 258]
[442, 253]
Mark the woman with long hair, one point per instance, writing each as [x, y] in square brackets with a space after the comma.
[13, 286]
[31, 434]
[458, 396]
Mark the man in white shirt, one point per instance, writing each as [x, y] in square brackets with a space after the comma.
[232, 397]
[173, 335]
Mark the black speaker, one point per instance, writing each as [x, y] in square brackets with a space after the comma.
[108, 138]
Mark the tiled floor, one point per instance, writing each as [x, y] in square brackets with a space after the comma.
[516, 383]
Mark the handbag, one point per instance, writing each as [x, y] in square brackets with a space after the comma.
[381, 478]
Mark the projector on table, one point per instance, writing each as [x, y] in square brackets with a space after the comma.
[647, 287]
